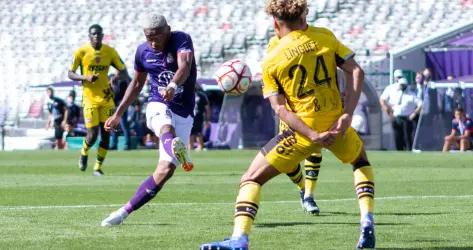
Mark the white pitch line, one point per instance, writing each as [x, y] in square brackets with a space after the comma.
[423, 197]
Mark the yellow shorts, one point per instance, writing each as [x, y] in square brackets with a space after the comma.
[288, 148]
[95, 114]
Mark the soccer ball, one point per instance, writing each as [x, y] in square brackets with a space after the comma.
[233, 77]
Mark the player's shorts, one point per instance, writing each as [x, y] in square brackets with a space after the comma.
[58, 130]
[283, 126]
[288, 148]
[94, 114]
[158, 115]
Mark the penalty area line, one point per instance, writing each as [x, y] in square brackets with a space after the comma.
[407, 197]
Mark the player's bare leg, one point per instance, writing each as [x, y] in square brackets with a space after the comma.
[464, 144]
[148, 189]
[448, 141]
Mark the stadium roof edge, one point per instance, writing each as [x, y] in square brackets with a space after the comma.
[433, 39]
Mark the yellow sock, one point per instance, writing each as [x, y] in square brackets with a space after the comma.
[85, 148]
[364, 186]
[246, 207]
[312, 168]
[297, 177]
[101, 153]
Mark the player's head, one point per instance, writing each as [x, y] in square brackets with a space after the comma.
[288, 15]
[50, 92]
[459, 113]
[95, 35]
[156, 29]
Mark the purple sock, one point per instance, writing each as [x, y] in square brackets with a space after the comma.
[166, 139]
[147, 190]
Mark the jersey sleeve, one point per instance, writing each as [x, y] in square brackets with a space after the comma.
[184, 44]
[138, 63]
[342, 53]
[117, 61]
[269, 82]
[76, 61]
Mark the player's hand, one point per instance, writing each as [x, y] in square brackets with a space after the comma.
[167, 93]
[325, 138]
[92, 78]
[112, 122]
[342, 124]
[412, 116]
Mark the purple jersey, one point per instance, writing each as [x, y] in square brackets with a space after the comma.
[461, 126]
[161, 67]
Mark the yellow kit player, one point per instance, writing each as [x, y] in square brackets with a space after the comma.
[299, 77]
[312, 164]
[94, 60]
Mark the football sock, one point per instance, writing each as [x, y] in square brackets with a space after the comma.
[85, 148]
[101, 153]
[246, 207]
[364, 186]
[166, 139]
[146, 191]
[312, 167]
[297, 177]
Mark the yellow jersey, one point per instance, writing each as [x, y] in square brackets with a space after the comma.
[92, 62]
[302, 66]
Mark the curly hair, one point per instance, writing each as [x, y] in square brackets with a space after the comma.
[286, 10]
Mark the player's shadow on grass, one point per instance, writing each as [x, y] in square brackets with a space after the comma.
[291, 224]
[426, 248]
[145, 224]
[384, 213]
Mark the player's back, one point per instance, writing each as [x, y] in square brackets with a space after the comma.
[303, 65]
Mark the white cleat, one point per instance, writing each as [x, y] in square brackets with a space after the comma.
[179, 150]
[115, 218]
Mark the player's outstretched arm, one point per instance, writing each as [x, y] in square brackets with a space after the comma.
[278, 105]
[78, 77]
[133, 90]
[354, 77]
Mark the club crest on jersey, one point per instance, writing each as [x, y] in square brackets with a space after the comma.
[170, 58]
[97, 59]
[165, 77]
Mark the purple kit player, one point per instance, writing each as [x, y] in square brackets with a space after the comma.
[169, 60]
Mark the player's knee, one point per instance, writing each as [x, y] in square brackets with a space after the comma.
[91, 136]
[165, 170]
[361, 162]
[166, 128]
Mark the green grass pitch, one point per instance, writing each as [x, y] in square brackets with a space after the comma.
[424, 201]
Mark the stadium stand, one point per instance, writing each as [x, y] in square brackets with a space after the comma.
[37, 38]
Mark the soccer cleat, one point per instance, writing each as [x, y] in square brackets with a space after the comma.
[99, 172]
[233, 243]
[115, 218]
[367, 238]
[309, 206]
[180, 152]
[83, 162]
